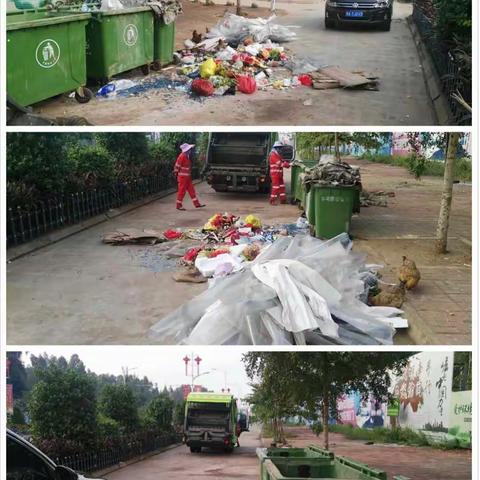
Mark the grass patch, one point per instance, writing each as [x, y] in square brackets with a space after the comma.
[463, 167]
[402, 436]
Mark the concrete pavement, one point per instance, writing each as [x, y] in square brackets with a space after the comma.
[180, 464]
[80, 291]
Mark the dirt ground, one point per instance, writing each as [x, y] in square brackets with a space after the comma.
[392, 56]
[80, 291]
[417, 463]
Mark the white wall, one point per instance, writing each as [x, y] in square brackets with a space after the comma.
[425, 391]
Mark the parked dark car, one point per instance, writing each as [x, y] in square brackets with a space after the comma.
[26, 462]
[359, 12]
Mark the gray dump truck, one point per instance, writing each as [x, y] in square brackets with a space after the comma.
[238, 162]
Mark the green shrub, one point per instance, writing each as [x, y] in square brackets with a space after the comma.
[118, 403]
[159, 413]
[94, 166]
[62, 405]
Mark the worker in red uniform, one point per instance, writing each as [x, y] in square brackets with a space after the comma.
[277, 164]
[183, 173]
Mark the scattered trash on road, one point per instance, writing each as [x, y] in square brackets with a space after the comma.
[294, 289]
[126, 236]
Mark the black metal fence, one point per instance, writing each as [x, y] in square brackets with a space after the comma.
[27, 223]
[130, 448]
[455, 76]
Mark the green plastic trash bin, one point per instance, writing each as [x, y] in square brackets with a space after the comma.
[45, 55]
[314, 463]
[333, 209]
[356, 199]
[164, 43]
[118, 41]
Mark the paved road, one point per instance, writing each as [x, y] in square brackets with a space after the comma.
[180, 464]
[392, 56]
[80, 291]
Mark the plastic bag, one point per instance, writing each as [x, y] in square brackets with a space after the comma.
[208, 68]
[202, 87]
[246, 84]
[305, 79]
[242, 310]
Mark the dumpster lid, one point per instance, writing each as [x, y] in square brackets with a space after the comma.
[34, 19]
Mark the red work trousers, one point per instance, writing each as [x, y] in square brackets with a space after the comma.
[185, 184]
[278, 188]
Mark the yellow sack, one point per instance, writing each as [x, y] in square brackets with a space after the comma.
[253, 221]
[208, 68]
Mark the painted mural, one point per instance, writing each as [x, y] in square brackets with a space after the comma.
[358, 412]
[424, 391]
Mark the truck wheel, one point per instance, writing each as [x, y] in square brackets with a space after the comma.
[228, 449]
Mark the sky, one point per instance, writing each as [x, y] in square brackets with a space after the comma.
[162, 365]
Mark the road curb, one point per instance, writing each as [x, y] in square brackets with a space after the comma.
[432, 80]
[14, 253]
[140, 458]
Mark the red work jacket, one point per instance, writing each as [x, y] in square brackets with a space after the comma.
[183, 166]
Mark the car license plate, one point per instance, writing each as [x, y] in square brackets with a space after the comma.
[354, 13]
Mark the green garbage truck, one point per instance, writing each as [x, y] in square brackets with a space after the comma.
[238, 161]
[210, 421]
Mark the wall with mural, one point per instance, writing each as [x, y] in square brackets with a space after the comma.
[358, 412]
[424, 391]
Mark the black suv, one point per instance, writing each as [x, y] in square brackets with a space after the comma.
[359, 12]
[25, 462]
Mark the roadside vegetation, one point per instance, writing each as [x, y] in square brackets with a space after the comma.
[435, 168]
[42, 167]
[67, 409]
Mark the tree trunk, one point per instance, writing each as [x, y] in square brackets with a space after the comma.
[337, 148]
[445, 206]
[325, 410]
[239, 7]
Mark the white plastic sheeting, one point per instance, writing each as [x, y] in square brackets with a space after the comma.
[234, 29]
[299, 290]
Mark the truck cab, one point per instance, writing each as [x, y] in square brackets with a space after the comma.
[210, 421]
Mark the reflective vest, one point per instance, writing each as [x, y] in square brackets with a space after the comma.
[276, 163]
[183, 166]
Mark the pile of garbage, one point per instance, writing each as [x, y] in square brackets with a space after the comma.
[375, 199]
[331, 172]
[221, 247]
[295, 289]
[238, 55]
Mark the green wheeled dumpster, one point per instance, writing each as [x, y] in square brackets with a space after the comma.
[118, 41]
[164, 43]
[333, 209]
[45, 55]
[298, 189]
[313, 463]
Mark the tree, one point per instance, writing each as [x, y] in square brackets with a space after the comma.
[62, 405]
[118, 403]
[314, 381]
[310, 142]
[126, 148]
[159, 412]
[271, 401]
[446, 203]
[17, 375]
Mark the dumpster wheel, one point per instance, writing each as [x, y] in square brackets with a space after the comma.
[83, 95]
[146, 69]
